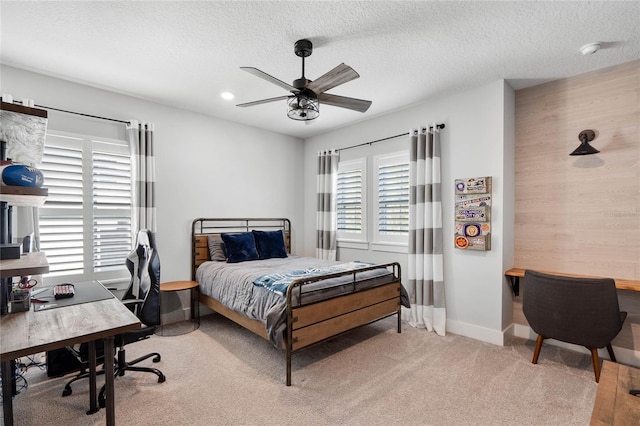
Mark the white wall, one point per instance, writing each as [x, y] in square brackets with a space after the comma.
[205, 167]
[474, 143]
[508, 207]
[208, 167]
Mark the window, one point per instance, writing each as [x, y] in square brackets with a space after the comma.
[388, 222]
[392, 198]
[85, 223]
[351, 200]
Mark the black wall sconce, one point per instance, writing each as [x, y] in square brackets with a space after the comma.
[585, 137]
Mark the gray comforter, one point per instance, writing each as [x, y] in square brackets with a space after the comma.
[232, 284]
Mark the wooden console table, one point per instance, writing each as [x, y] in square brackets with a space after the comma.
[514, 275]
[614, 405]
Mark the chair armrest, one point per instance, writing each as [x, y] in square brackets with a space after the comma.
[133, 302]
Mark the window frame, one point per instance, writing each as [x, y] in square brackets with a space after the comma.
[88, 145]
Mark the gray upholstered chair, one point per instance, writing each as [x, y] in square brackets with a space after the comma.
[582, 311]
[143, 299]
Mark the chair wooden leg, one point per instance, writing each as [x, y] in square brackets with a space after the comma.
[596, 363]
[536, 352]
[611, 355]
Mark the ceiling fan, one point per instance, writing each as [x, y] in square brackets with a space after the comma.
[306, 95]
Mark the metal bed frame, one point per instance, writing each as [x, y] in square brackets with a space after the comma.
[307, 324]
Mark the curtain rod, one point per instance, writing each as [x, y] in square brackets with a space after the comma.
[76, 113]
[85, 115]
[439, 126]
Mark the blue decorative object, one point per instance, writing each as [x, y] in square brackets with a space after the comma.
[270, 244]
[240, 247]
[21, 175]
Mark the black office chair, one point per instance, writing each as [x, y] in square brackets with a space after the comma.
[582, 311]
[142, 298]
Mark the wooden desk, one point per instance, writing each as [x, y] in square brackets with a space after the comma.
[26, 333]
[514, 274]
[614, 405]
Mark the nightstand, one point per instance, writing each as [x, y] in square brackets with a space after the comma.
[181, 327]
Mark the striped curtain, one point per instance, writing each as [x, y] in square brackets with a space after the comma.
[425, 264]
[143, 164]
[326, 219]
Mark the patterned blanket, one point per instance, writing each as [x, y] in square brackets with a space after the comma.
[279, 282]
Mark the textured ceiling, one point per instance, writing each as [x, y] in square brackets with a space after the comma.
[185, 53]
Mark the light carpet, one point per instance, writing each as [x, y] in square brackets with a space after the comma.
[222, 374]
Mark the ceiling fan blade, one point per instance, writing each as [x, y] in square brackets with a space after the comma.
[271, 79]
[337, 76]
[264, 101]
[359, 105]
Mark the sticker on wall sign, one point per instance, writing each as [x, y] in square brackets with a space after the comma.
[472, 230]
[472, 212]
[477, 243]
[477, 185]
[462, 242]
[478, 213]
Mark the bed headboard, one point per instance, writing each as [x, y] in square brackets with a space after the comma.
[204, 227]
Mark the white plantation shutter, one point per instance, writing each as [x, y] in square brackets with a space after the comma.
[85, 223]
[393, 199]
[111, 210]
[350, 200]
[61, 218]
[392, 215]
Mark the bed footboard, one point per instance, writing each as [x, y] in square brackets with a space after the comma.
[320, 321]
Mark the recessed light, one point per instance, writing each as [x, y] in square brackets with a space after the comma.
[227, 96]
[589, 49]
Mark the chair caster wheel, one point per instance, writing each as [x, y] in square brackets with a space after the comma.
[67, 391]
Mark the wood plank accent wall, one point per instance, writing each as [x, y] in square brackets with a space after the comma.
[581, 214]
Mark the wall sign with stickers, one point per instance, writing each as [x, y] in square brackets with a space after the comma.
[473, 214]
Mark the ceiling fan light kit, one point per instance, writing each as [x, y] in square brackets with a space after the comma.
[303, 108]
[304, 102]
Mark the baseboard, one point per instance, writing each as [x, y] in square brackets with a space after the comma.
[476, 332]
[623, 355]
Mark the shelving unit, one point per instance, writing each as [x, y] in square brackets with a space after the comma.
[26, 264]
[23, 196]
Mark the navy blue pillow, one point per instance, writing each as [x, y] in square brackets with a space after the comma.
[240, 247]
[270, 244]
